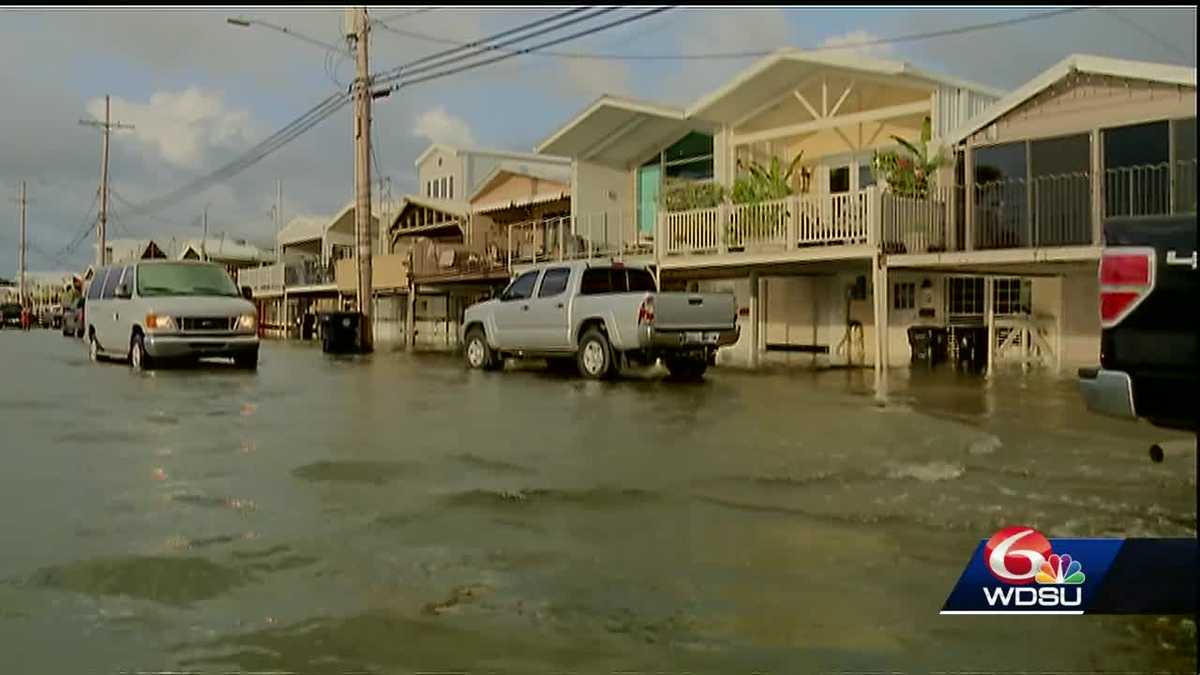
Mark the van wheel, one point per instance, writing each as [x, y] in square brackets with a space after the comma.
[595, 357]
[478, 353]
[247, 361]
[93, 348]
[138, 358]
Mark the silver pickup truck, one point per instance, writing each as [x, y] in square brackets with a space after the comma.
[599, 316]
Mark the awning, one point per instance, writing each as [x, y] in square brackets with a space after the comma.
[617, 132]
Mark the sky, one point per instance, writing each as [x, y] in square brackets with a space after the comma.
[198, 91]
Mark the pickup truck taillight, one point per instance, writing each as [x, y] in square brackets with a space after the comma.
[646, 312]
[1126, 278]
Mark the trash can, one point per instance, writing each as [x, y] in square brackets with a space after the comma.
[927, 344]
[340, 332]
[971, 344]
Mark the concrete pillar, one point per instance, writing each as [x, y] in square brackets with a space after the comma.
[879, 294]
[1097, 166]
[989, 313]
[755, 318]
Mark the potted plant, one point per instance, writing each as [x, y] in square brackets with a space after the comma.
[912, 174]
[758, 184]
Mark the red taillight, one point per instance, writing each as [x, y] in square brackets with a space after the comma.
[1126, 278]
[646, 311]
[1125, 269]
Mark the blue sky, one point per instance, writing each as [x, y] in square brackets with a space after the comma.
[199, 90]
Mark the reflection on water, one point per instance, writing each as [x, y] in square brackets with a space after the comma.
[398, 513]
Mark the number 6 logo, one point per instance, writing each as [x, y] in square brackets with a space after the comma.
[1014, 554]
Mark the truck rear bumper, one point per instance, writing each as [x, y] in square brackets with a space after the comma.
[1108, 392]
[653, 338]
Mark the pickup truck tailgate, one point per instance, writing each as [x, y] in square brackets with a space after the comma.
[690, 311]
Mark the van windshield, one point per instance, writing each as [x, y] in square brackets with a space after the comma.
[184, 279]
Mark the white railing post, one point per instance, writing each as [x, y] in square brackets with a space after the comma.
[792, 213]
[560, 238]
[722, 227]
[874, 216]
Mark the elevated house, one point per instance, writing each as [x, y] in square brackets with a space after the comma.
[1002, 237]
[461, 234]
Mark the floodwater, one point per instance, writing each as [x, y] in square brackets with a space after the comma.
[397, 513]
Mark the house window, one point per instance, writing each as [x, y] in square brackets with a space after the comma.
[904, 295]
[964, 296]
[1011, 296]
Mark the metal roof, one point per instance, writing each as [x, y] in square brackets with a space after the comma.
[1082, 63]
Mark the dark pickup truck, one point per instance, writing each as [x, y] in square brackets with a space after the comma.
[1149, 351]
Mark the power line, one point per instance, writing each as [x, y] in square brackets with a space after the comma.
[322, 111]
[383, 19]
[525, 50]
[560, 20]
[1166, 44]
[914, 37]
[88, 223]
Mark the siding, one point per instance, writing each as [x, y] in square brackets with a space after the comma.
[954, 107]
[1082, 102]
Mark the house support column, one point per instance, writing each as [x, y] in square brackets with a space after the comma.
[879, 294]
[989, 313]
[1058, 325]
[755, 318]
[410, 317]
[1097, 171]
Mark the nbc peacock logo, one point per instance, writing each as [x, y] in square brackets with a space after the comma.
[1060, 569]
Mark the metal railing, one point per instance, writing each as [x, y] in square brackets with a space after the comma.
[1053, 210]
[311, 272]
[595, 235]
[1150, 190]
[916, 224]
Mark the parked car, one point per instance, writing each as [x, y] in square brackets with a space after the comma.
[156, 310]
[599, 315]
[50, 316]
[1148, 346]
[72, 321]
[10, 315]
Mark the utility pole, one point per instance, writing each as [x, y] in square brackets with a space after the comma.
[102, 226]
[22, 201]
[204, 241]
[362, 172]
[278, 215]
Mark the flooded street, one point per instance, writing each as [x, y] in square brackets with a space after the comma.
[397, 513]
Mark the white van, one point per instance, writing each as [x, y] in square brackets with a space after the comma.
[154, 310]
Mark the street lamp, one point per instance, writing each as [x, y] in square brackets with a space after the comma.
[242, 22]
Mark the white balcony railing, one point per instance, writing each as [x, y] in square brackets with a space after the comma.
[783, 224]
[260, 280]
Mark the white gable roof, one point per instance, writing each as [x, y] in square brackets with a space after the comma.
[1083, 63]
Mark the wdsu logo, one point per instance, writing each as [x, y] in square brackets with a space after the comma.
[1019, 571]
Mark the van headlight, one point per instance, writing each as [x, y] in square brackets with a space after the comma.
[247, 322]
[159, 323]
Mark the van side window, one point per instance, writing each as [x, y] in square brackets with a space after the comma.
[110, 283]
[97, 284]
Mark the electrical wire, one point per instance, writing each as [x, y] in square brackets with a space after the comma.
[1165, 44]
[913, 37]
[526, 50]
[560, 20]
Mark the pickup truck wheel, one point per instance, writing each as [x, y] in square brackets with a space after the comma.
[686, 368]
[479, 355]
[595, 356]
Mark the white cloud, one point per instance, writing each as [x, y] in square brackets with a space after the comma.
[595, 77]
[439, 126]
[183, 127]
[857, 42]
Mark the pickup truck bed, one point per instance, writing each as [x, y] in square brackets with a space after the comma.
[1149, 350]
